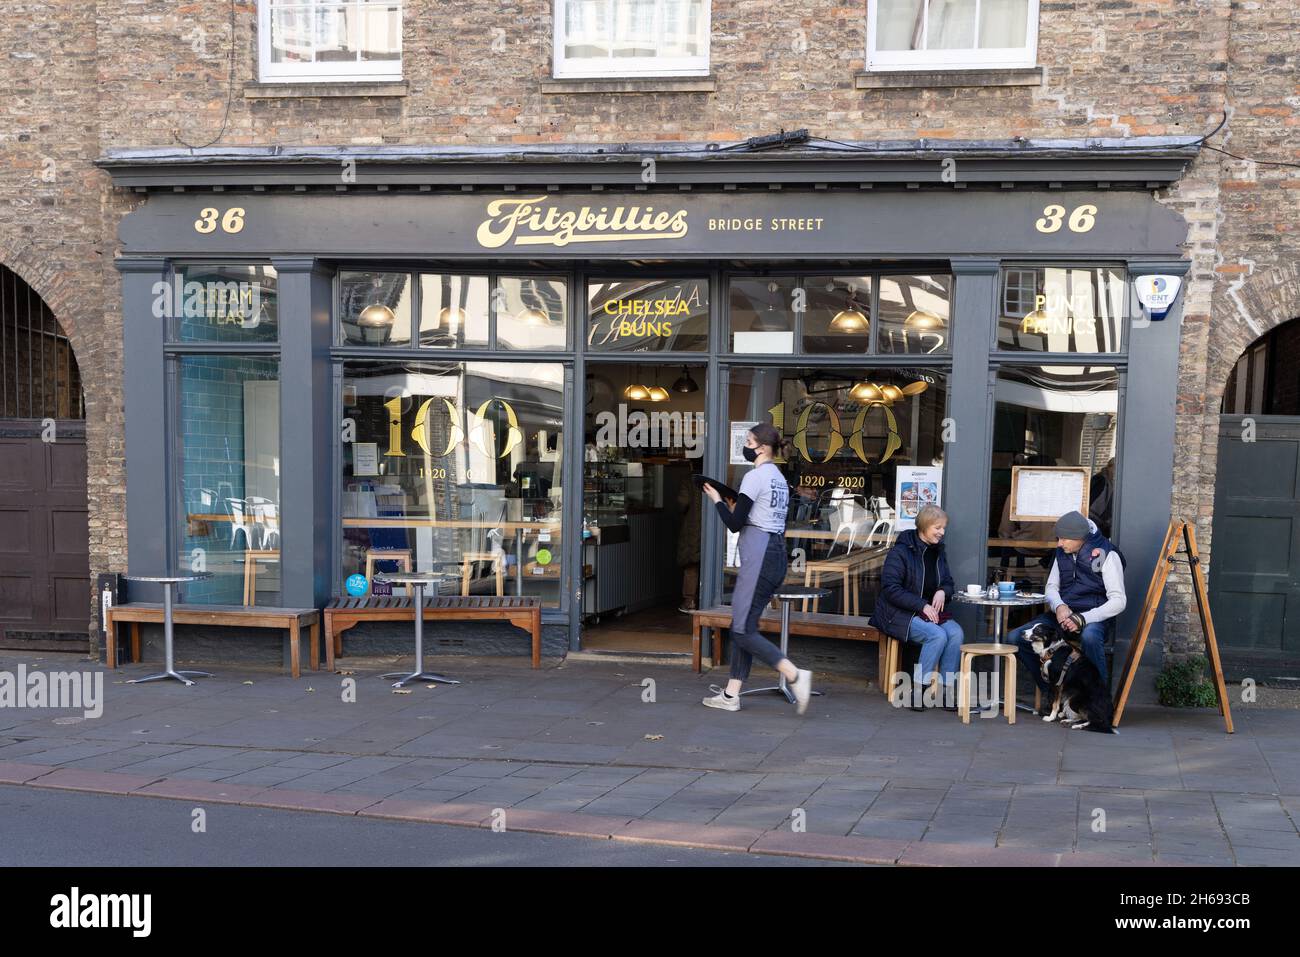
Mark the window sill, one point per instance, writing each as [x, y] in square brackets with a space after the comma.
[635, 84]
[323, 88]
[926, 79]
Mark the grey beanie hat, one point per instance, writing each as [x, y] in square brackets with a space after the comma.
[1072, 525]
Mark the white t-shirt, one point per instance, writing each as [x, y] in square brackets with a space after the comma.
[771, 495]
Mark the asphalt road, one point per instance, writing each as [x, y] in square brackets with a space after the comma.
[42, 827]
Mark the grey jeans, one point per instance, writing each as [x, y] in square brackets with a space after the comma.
[762, 570]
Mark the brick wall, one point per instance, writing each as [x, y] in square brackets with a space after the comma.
[81, 76]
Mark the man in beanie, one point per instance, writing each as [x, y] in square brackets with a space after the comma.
[1084, 590]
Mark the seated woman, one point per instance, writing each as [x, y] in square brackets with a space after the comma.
[915, 587]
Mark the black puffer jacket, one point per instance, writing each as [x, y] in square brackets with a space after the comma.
[901, 581]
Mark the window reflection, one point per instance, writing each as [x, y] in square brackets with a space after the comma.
[453, 310]
[222, 303]
[914, 313]
[1062, 309]
[532, 312]
[837, 317]
[455, 468]
[648, 315]
[230, 478]
[375, 308]
[853, 437]
[1050, 417]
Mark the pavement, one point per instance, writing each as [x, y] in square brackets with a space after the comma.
[623, 751]
[124, 831]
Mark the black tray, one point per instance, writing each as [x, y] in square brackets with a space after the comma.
[726, 491]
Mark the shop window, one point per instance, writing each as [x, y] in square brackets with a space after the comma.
[629, 38]
[229, 473]
[914, 314]
[531, 312]
[375, 308]
[951, 34]
[454, 468]
[863, 453]
[1062, 423]
[454, 310]
[837, 314]
[827, 314]
[211, 303]
[763, 314]
[648, 315]
[1062, 309]
[329, 40]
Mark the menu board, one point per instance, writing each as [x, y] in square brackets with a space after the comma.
[1041, 494]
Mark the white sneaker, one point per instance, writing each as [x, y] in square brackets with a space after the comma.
[802, 689]
[722, 702]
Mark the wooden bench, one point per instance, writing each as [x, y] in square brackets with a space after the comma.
[342, 613]
[291, 619]
[814, 624]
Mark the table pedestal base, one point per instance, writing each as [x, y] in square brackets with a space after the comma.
[783, 686]
[178, 675]
[418, 676]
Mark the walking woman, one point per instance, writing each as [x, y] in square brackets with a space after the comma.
[759, 517]
[915, 588]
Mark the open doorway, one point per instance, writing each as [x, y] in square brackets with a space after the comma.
[643, 440]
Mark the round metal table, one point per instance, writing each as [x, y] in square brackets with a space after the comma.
[417, 581]
[168, 581]
[787, 595]
[1000, 606]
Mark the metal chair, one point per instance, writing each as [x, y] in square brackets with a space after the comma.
[240, 523]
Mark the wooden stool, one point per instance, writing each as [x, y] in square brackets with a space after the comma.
[400, 555]
[251, 557]
[469, 558]
[1008, 655]
[893, 656]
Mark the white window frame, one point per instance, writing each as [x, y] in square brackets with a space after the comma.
[972, 59]
[382, 71]
[611, 67]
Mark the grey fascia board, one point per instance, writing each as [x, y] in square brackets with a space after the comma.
[1144, 161]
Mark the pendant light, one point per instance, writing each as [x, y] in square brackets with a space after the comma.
[657, 392]
[851, 320]
[635, 391]
[686, 384]
[376, 323]
[866, 392]
[376, 320]
[922, 320]
[891, 393]
[534, 315]
[770, 320]
[453, 317]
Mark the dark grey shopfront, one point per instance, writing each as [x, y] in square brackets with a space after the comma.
[544, 233]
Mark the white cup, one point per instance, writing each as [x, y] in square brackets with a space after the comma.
[974, 590]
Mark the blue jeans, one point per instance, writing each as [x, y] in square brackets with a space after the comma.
[940, 645]
[1093, 641]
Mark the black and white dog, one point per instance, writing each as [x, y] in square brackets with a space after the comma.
[1079, 696]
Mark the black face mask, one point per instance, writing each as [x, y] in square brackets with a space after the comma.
[749, 453]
